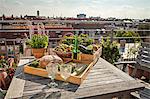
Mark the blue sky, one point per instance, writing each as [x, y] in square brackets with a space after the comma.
[70, 8]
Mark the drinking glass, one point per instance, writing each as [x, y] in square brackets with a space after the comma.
[65, 71]
[52, 70]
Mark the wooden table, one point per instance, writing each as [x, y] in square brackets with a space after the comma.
[104, 81]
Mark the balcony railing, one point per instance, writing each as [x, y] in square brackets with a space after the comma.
[96, 34]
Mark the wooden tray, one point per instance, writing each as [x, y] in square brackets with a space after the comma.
[83, 57]
[88, 57]
[72, 79]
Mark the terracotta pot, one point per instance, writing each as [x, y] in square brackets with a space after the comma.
[146, 74]
[3, 75]
[130, 70]
[138, 74]
[38, 53]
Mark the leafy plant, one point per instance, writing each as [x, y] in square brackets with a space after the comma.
[3, 63]
[38, 41]
[35, 64]
[110, 51]
[6, 67]
[83, 39]
[133, 51]
[85, 44]
[21, 48]
[128, 34]
[68, 40]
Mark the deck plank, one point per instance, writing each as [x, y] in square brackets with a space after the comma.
[107, 88]
[17, 85]
[15, 91]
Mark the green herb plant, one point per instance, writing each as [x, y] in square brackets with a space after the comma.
[35, 64]
[110, 51]
[38, 41]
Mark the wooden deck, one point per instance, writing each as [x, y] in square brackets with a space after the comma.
[104, 81]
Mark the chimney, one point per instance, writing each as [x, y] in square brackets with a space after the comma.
[38, 13]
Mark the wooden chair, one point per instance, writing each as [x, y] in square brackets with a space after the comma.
[145, 94]
[141, 62]
[143, 58]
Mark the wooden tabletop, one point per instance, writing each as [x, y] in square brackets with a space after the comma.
[104, 80]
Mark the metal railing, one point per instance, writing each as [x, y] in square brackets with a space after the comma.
[96, 34]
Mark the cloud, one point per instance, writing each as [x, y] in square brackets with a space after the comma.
[105, 8]
[18, 2]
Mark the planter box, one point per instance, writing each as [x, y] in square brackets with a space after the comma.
[146, 74]
[88, 57]
[83, 57]
[72, 79]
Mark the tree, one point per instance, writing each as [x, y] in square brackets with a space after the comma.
[128, 34]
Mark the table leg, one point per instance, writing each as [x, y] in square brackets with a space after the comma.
[126, 96]
[124, 67]
[134, 72]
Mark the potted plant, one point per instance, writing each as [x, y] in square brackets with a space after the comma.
[132, 52]
[138, 74]
[7, 71]
[110, 51]
[38, 43]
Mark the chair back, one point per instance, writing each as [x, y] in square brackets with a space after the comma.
[143, 58]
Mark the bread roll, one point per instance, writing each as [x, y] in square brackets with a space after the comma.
[45, 60]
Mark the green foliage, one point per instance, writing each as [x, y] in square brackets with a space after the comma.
[133, 51]
[38, 41]
[110, 51]
[21, 48]
[128, 34]
[83, 39]
[119, 33]
[68, 40]
[35, 64]
[4, 63]
[85, 44]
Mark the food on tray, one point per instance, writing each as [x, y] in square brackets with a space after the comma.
[64, 48]
[34, 64]
[85, 50]
[79, 69]
[49, 58]
[86, 46]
